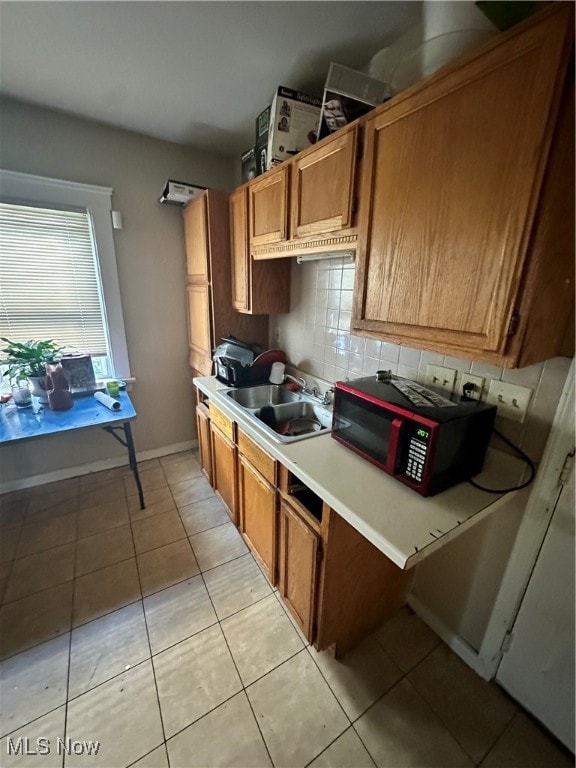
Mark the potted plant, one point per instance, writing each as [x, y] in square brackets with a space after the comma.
[27, 360]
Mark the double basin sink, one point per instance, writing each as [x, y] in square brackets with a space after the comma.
[285, 415]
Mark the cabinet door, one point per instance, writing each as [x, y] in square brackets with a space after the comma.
[199, 328]
[196, 239]
[258, 287]
[451, 179]
[240, 253]
[323, 186]
[203, 431]
[269, 207]
[224, 470]
[257, 512]
[298, 567]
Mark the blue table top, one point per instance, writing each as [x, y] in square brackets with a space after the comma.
[38, 421]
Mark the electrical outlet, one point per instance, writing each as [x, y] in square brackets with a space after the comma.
[477, 384]
[436, 376]
[277, 335]
[512, 400]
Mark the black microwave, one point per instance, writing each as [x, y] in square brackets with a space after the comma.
[416, 434]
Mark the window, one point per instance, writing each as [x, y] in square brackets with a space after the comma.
[58, 276]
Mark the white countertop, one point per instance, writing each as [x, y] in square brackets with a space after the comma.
[403, 525]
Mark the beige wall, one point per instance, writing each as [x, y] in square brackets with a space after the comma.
[459, 583]
[150, 257]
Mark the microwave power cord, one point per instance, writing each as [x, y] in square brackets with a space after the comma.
[522, 455]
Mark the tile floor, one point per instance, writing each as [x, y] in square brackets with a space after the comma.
[156, 634]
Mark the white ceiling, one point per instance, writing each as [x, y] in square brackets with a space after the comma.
[192, 72]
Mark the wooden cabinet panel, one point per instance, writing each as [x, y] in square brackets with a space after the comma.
[258, 287]
[359, 588]
[223, 422]
[298, 557]
[203, 432]
[224, 470]
[196, 237]
[322, 216]
[452, 175]
[199, 328]
[323, 186]
[240, 251]
[210, 312]
[268, 208]
[258, 514]
[258, 457]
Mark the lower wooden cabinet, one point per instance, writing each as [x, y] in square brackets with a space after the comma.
[298, 559]
[203, 432]
[224, 470]
[359, 588]
[338, 586]
[258, 515]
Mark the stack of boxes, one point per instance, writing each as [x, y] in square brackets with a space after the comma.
[296, 120]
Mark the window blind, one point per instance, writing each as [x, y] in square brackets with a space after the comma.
[49, 278]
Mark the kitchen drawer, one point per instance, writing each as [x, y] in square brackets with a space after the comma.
[223, 422]
[259, 459]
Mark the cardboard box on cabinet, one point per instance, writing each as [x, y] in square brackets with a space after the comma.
[261, 140]
[248, 165]
[348, 94]
[292, 126]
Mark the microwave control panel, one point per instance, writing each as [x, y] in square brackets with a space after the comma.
[415, 457]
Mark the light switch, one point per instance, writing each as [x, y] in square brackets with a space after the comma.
[436, 376]
[511, 400]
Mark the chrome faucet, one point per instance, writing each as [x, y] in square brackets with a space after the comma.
[301, 382]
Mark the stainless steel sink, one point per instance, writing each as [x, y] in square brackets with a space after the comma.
[284, 415]
[265, 394]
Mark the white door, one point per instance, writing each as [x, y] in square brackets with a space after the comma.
[538, 668]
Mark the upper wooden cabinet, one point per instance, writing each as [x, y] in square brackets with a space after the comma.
[466, 228]
[319, 213]
[269, 207]
[210, 312]
[322, 197]
[196, 239]
[258, 288]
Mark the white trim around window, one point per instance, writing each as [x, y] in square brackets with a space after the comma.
[25, 188]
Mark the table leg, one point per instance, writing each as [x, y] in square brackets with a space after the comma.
[133, 462]
[129, 444]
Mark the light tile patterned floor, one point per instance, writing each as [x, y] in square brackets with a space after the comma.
[155, 633]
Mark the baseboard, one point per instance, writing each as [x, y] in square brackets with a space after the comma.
[94, 466]
[460, 647]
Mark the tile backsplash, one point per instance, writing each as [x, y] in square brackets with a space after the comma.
[316, 337]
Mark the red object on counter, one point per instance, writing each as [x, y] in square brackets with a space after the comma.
[58, 388]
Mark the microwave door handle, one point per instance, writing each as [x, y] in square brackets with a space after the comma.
[392, 456]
